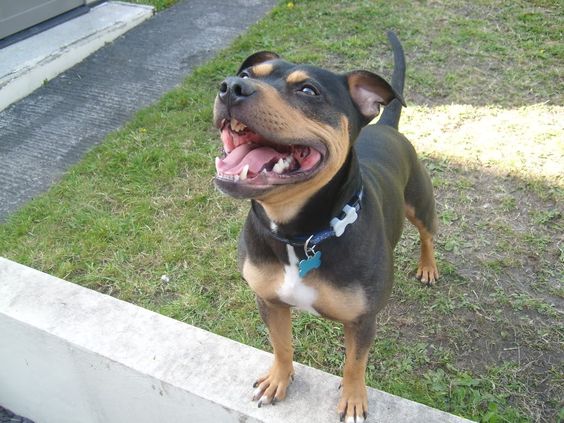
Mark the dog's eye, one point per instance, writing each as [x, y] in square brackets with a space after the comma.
[244, 75]
[309, 90]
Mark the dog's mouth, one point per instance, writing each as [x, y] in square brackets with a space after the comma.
[250, 158]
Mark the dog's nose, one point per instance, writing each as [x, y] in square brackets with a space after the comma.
[234, 90]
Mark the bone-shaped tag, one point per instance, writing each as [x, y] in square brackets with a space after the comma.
[339, 225]
[309, 263]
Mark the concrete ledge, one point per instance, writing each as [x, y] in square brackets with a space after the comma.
[24, 66]
[69, 354]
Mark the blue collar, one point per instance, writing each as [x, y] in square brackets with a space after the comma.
[336, 228]
[338, 224]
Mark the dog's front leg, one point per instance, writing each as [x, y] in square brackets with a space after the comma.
[272, 386]
[354, 399]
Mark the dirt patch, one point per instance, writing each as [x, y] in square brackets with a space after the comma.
[499, 304]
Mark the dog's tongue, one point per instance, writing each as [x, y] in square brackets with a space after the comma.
[256, 157]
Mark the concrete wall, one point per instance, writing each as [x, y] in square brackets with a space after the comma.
[69, 354]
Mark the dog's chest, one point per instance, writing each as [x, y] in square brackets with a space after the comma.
[276, 282]
[282, 283]
[293, 290]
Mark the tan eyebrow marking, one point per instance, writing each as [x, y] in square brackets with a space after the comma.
[262, 69]
[297, 76]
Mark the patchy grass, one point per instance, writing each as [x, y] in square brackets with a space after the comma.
[157, 4]
[485, 93]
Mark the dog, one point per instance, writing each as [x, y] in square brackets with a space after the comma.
[329, 194]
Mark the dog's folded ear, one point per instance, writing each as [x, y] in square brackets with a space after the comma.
[370, 91]
[259, 57]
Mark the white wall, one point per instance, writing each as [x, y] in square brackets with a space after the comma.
[69, 354]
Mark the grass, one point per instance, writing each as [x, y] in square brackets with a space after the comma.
[157, 4]
[485, 112]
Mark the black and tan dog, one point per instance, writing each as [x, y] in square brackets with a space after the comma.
[328, 202]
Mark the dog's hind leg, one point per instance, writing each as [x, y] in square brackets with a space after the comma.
[420, 211]
[427, 271]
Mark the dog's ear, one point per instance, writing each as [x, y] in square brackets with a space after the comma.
[370, 91]
[255, 59]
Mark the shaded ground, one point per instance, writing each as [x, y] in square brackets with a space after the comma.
[500, 301]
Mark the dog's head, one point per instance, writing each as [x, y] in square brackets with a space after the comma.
[287, 129]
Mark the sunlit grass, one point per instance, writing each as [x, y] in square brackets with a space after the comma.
[526, 142]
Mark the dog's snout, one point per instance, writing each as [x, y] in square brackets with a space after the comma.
[234, 90]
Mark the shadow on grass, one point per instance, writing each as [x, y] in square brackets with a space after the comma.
[497, 311]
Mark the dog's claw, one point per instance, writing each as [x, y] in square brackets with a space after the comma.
[257, 394]
[427, 272]
[263, 401]
[271, 388]
[353, 404]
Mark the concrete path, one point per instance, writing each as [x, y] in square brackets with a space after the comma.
[26, 64]
[46, 132]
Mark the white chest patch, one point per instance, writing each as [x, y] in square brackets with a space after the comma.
[293, 291]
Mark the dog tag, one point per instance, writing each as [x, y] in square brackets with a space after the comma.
[310, 263]
[339, 225]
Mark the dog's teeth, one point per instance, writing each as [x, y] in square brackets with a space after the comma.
[282, 165]
[243, 174]
[279, 166]
[217, 160]
[237, 126]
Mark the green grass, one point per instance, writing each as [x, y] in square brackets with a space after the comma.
[157, 4]
[485, 112]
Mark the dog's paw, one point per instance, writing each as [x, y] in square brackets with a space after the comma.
[427, 272]
[272, 387]
[353, 406]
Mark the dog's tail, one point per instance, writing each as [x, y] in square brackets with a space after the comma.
[392, 111]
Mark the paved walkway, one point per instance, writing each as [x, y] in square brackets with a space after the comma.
[6, 416]
[46, 132]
